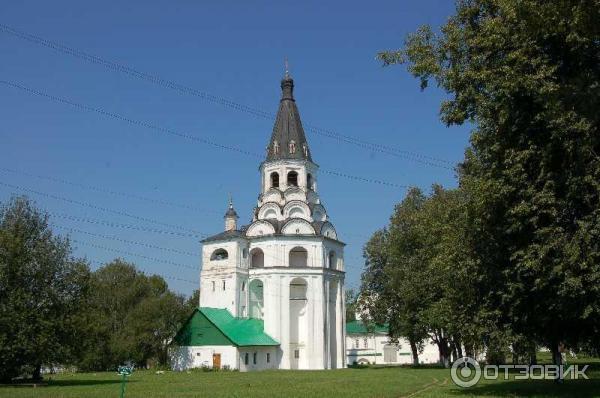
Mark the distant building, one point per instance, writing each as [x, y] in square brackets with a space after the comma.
[272, 291]
[373, 346]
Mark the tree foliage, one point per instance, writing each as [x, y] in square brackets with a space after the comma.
[419, 273]
[526, 74]
[131, 317]
[41, 289]
[55, 311]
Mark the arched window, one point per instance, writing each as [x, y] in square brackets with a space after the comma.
[246, 356]
[292, 179]
[309, 181]
[331, 263]
[298, 257]
[274, 180]
[257, 258]
[219, 254]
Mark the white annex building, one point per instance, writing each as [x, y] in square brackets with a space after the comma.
[271, 293]
[372, 345]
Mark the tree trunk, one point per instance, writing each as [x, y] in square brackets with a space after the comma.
[533, 357]
[459, 350]
[415, 352]
[557, 360]
[469, 351]
[37, 373]
[444, 353]
[454, 352]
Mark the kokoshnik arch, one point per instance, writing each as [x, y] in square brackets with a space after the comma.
[271, 293]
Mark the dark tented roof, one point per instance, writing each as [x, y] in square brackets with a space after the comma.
[288, 140]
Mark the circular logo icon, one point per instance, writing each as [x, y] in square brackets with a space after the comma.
[465, 372]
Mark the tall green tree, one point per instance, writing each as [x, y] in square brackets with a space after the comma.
[42, 287]
[131, 317]
[392, 291]
[526, 75]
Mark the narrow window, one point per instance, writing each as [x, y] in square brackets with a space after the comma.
[309, 182]
[254, 358]
[213, 286]
[268, 357]
[223, 285]
[297, 354]
[246, 358]
[365, 343]
[356, 343]
[243, 286]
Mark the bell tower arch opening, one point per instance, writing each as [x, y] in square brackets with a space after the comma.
[292, 179]
[274, 179]
[257, 258]
[298, 257]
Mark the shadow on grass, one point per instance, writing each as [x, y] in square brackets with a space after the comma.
[423, 366]
[75, 383]
[539, 388]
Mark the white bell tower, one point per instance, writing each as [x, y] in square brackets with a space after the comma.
[287, 266]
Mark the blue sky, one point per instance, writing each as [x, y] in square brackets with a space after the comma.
[233, 50]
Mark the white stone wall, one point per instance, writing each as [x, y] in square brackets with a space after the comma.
[221, 280]
[310, 331]
[373, 351]
[262, 355]
[189, 357]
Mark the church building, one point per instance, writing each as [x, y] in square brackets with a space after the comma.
[272, 291]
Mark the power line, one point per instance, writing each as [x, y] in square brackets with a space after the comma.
[101, 263]
[120, 225]
[96, 207]
[106, 190]
[121, 68]
[117, 239]
[158, 260]
[179, 134]
[130, 195]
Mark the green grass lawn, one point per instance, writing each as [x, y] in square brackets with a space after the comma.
[368, 382]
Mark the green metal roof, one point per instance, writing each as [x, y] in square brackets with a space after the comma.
[358, 327]
[216, 326]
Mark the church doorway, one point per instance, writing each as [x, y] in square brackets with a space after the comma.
[216, 361]
[390, 353]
